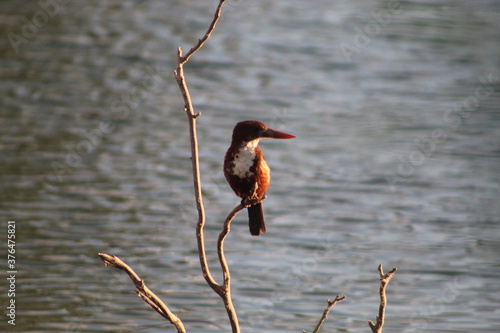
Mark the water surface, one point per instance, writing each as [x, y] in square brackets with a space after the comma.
[396, 113]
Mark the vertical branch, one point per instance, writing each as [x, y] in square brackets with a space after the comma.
[188, 108]
[384, 280]
[224, 290]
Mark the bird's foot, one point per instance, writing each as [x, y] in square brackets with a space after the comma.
[247, 202]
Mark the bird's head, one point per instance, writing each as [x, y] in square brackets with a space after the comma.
[250, 130]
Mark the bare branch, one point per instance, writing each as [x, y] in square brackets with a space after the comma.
[192, 117]
[224, 290]
[331, 304]
[220, 244]
[183, 60]
[384, 280]
[143, 291]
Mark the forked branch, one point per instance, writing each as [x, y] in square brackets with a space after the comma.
[384, 280]
[207, 35]
[223, 290]
[330, 305]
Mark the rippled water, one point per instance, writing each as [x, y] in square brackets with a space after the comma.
[396, 111]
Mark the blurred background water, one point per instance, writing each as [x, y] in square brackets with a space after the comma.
[395, 106]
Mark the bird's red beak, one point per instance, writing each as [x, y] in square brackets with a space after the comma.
[270, 133]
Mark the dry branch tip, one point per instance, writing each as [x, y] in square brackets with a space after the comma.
[331, 304]
[380, 318]
[109, 260]
[143, 291]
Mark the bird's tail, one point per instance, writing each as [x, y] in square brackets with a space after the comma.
[256, 220]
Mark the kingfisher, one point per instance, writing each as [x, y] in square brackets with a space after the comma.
[247, 172]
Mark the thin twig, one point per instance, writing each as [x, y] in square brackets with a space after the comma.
[225, 289]
[207, 35]
[384, 280]
[143, 291]
[330, 305]
[220, 245]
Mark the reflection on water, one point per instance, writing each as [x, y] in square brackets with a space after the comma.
[395, 108]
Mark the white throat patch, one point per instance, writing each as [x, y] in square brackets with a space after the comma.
[244, 159]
